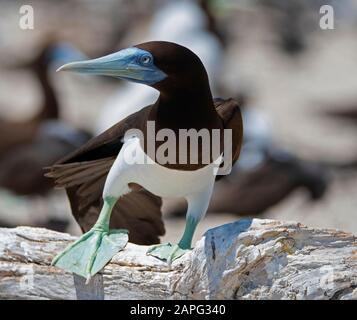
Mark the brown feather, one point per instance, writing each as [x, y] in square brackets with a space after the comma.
[230, 113]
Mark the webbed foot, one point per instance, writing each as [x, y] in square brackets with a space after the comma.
[91, 252]
[167, 252]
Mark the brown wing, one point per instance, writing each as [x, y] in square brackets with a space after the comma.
[109, 143]
[231, 116]
[83, 174]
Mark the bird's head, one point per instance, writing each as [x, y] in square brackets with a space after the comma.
[159, 64]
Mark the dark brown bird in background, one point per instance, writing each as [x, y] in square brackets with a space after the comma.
[256, 191]
[16, 133]
[343, 112]
[29, 146]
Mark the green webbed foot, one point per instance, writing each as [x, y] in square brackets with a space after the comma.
[167, 252]
[91, 252]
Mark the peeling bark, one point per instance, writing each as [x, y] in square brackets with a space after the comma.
[248, 259]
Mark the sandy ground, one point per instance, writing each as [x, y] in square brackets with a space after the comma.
[291, 92]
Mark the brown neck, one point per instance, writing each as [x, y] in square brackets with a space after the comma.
[50, 108]
[185, 109]
[189, 107]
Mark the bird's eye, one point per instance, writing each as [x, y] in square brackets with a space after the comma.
[145, 59]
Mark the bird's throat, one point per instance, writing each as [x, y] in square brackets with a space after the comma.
[185, 108]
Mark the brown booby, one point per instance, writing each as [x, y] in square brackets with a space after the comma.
[101, 180]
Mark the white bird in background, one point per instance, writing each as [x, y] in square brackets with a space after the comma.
[182, 22]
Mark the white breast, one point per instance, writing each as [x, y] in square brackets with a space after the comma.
[164, 182]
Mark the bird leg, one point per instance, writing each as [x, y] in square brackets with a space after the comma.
[170, 252]
[94, 249]
[197, 207]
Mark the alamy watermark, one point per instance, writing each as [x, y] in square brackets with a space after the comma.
[27, 17]
[327, 19]
[188, 146]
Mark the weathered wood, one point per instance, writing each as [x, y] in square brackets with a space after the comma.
[248, 259]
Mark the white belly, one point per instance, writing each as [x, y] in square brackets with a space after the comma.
[158, 179]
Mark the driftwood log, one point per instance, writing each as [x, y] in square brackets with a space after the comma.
[248, 259]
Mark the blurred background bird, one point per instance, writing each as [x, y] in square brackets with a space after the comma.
[295, 83]
[26, 147]
[344, 112]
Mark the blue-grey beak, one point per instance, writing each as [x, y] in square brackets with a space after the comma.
[131, 64]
